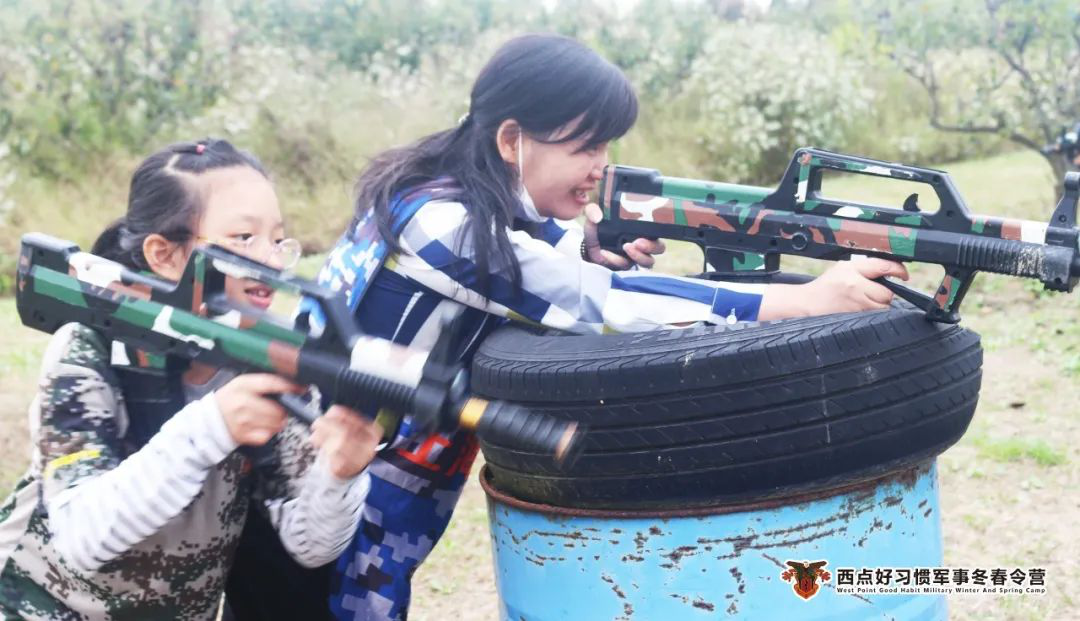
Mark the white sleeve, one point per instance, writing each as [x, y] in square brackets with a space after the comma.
[104, 515]
[316, 525]
[560, 290]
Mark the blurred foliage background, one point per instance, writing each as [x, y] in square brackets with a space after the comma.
[728, 87]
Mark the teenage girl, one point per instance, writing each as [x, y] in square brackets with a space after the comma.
[475, 221]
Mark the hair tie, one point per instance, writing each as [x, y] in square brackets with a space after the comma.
[464, 118]
[125, 237]
[199, 148]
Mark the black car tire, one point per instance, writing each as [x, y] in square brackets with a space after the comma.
[718, 414]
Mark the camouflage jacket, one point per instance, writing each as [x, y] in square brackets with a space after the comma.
[100, 528]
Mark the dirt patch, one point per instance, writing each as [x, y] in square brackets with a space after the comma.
[1016, 508]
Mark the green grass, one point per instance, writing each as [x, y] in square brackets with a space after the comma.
[1017, 184]
[978, 523]
[1015, 449]
[21, 355]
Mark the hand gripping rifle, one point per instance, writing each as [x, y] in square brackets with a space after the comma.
[192, 320]
[733, 224]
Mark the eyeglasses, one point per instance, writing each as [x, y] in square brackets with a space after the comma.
[286, 250]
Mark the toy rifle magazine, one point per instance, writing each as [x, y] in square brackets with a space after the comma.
[743, 227]
[192, 320]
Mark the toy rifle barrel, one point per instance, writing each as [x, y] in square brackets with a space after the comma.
[497, 422]
[507, 424]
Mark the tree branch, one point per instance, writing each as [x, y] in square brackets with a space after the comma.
[1025, 141]
[927, 78]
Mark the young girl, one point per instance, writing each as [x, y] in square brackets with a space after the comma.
[474, 221]
[136, 493]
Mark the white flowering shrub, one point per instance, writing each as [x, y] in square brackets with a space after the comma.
[82, 79]
[7, 207]
[7, 178]
[314, 88]
[315, 121]
[762, 90]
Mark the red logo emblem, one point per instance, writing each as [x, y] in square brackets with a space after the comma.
[805, 575]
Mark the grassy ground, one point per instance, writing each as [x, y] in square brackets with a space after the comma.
[1008, 489]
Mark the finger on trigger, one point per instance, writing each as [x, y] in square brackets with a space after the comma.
[879, 294]
[876, 305]
[892, 268]
[649, 246]
[267, 383]
[871, 267]
[613, 260]
[645, 244]
[637, 256]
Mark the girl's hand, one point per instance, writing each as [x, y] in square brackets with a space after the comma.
[346, 439]
[640, 251]
[250, 416]
[845, 287]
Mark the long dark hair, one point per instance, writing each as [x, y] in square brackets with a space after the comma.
[163, 199]
[545, 83]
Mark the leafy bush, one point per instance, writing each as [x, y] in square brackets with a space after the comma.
[762, 90]
[7, 178]
[314, 88]
[84, 79]
[315, 122]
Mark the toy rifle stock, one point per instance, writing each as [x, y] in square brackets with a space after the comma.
[730, 222]
[192, 320]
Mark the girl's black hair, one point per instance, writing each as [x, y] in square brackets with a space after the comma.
[545, 83]
[163, 199]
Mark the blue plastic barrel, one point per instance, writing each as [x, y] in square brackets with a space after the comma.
[556, 563]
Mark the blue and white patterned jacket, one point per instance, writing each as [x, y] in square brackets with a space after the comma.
[416, 481]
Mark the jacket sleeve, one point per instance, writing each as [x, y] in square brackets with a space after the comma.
[100, 503]
[563, 235]
[557, 289]
[314, 512]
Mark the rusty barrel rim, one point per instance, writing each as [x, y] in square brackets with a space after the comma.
[905, 476]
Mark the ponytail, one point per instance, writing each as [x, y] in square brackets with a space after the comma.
[107, 244]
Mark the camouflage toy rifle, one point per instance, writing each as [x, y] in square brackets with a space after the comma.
[192, 320]
[746, 228]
